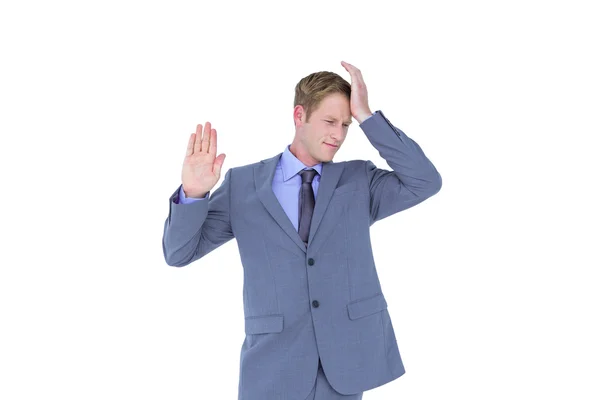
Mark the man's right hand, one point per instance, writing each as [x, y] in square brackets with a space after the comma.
[201, 169]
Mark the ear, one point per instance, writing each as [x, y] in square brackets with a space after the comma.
[298, 114]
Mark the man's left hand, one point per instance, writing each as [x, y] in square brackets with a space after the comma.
[359, 102]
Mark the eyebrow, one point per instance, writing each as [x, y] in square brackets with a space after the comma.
[335, 119]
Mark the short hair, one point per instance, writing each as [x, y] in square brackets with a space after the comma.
[312, 89]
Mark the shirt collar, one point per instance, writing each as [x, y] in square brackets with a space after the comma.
[290, 165]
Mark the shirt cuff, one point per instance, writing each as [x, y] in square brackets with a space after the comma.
[187, 200]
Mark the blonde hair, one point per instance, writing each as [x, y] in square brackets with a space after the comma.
[312, 89]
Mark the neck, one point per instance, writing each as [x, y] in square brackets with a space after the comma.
[301, 154]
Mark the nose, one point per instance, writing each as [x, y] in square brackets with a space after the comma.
[336, 135]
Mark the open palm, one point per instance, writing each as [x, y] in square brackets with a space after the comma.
[201, 167]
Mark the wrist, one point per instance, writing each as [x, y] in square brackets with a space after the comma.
[363, 116]
[193, 194]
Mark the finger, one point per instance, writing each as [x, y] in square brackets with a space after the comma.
[218, 165]
[212, 150]
[354, 72]
[198, 138]
[190, 146]
[206, 137]
[353, 77]
[357, 78]
[349, 67]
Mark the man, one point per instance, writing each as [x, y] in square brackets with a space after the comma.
[316, 321]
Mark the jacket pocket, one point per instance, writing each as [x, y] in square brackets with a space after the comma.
[362, 308]
[264, 324]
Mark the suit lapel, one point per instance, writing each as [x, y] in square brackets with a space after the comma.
[263, 180]
[330, 176]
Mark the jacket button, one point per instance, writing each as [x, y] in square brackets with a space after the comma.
[315, 303]
[311, 261]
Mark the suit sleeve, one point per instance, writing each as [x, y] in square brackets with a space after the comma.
[413, 177]
[195, 229]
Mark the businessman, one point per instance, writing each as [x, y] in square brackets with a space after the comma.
[316, 320]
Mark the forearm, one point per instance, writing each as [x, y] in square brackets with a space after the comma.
[193, 230]
[403, 155]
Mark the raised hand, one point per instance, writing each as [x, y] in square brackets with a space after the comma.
[359, 98]
[201, 169]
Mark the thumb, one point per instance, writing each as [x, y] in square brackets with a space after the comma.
[219, 164]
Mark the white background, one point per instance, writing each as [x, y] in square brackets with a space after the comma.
[491, 284]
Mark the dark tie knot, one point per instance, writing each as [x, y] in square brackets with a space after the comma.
[308, 175]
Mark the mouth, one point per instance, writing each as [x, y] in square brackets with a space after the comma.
[331, 145]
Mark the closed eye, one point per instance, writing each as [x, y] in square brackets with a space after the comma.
[346, 125]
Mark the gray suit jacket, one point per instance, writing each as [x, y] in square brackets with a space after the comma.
[322, 301]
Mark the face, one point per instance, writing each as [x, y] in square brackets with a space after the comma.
[320, 138]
